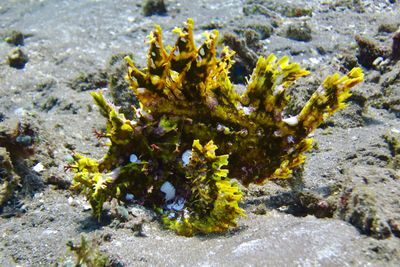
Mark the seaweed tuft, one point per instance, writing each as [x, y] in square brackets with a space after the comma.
[166, 156]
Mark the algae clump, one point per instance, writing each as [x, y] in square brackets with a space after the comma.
[192, 129]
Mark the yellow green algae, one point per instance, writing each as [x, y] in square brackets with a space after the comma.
[192, 129]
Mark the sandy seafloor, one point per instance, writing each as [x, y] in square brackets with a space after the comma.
[353, 169]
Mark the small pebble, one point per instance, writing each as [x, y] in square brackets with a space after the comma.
[23, 208]
[186, 157]
[292, 121]
[134, 158]
[49, 232]
[178, 205]
[25, 140]
[70, 201]
[123, 213]
[377, 61]
[20, 112]
[86, 207]
[107, 237]
[68, 158]
[314, 60]
[129, 197]
[37, 195]
[394, 130]
[38, 167]
[169, 190]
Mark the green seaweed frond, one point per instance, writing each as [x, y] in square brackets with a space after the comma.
[86, 254]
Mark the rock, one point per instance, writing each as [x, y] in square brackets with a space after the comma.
[260, 209]
[38, 167]
[213, 24]
[122, 213]
[17, 58]
[373, 77]
[389, 98]
[396, 46]
[59, 182]
[388, 27]
[142, 214]
[312, 203]
[285, 8]
[366, 201]
[154, 7]
[364, 214]
[369, 51]
[245, 58]
[49, 103]
[392, 138]
[348, 61]
[264, 30]
[15, 38]
[299, 32]
[89, 81]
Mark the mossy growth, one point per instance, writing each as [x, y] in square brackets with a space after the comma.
[17, 58]
[16, 144]
[86, 254]
[192, 129]
[392, 138]
[9, 180]
[15, 38]
[154, 7]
